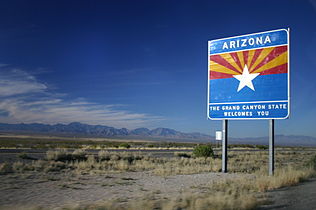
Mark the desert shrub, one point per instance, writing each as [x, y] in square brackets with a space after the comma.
[261, 146]
[64, 155]
[244, 145]
[312, 162]
[203, 151]
[24, 156]
[55, 166]
[131, 157]
[39, 165]
[22, 167]
[104, 155]
[58, 155]
[182, 154]
[125, 145]
[79, 155]
[115, 157]
[5, 168]
[18, 166]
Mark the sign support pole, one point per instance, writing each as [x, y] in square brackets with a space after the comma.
[271, 147]
[224, 146]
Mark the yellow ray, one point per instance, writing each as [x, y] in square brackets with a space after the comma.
[241, 58]
[281, 59]
[262, 56]
[250, 56]
[231, 61]
[219, 68]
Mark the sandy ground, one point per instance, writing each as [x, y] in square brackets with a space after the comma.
[54, 191]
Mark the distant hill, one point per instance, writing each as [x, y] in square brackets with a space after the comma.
[281, 140]
[84, 130]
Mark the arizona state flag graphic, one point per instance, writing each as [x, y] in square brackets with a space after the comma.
[249, 76]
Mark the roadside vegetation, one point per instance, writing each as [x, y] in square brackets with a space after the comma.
[202, 159]
[239, 193]
[245, 192]
[203, 151]
[85, 143]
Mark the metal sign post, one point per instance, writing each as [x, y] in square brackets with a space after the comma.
[271, 147]
[224, 147]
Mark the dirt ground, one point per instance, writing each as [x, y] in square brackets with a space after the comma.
[302, 196]
[54, 191]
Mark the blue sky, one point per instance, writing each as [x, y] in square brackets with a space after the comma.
[141, 63]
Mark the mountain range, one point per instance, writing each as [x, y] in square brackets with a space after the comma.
[84, 130]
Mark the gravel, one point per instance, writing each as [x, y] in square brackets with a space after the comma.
[57, 190]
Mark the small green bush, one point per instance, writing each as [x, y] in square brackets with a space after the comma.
[125, 145]
[203, 151]
[262, 147]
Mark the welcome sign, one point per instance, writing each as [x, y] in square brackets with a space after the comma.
[248, 76]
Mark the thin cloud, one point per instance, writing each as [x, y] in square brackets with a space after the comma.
[15, 82]
[25, 99]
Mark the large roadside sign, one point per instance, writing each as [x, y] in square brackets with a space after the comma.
[248, 76]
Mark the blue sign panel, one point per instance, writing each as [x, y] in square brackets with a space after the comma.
[249, 76]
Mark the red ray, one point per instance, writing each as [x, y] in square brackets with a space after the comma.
[254, 58]
[220, 60]
[219, 75]
[245, 54]
[275, 70]
[236, 59]
[273, 54]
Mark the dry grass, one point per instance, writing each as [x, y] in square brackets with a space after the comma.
[287, 176]
[182, 165]
[105, 162]
[251, 162]
[216, 201]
